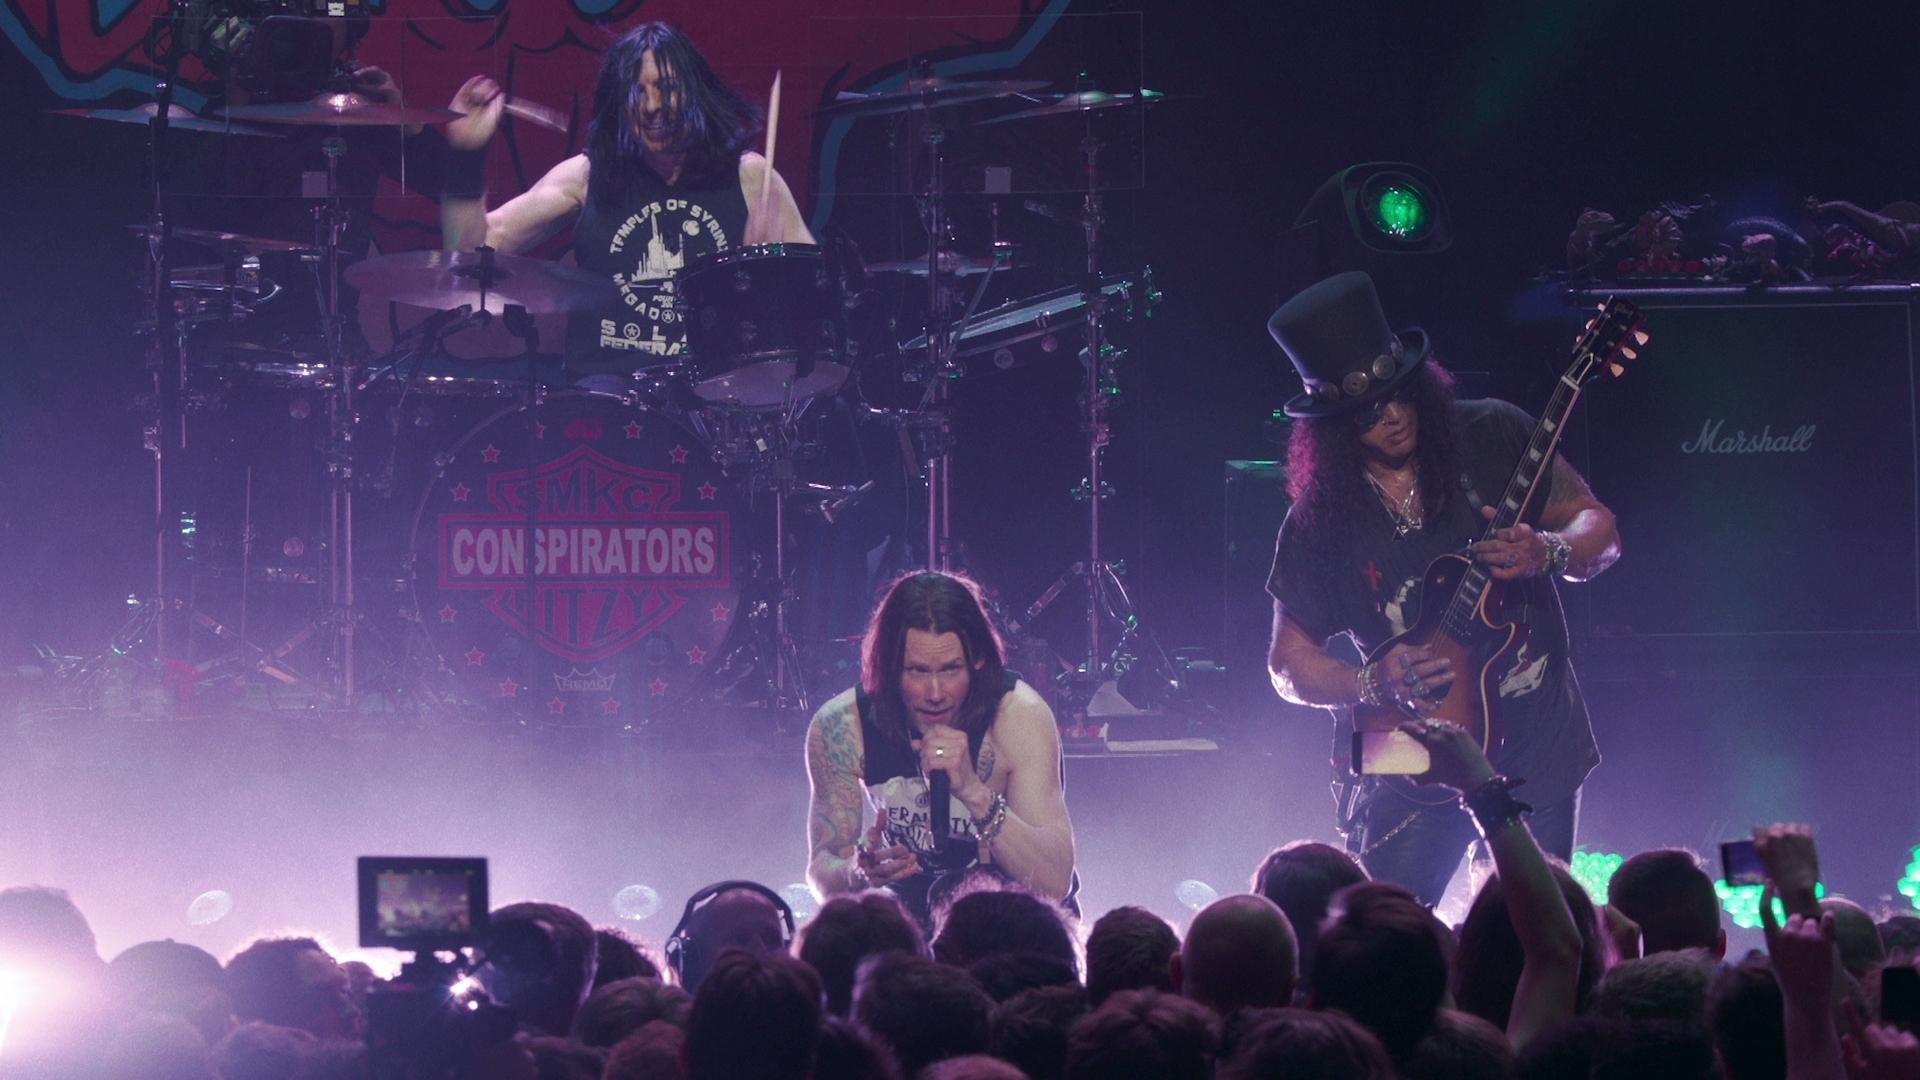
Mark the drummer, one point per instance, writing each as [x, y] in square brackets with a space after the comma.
[665, 179]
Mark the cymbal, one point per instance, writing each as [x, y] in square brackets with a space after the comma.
[449, 279]
[215, 238]
[951, 262]
[931, 93]
[177, 117]
[1084, 101]
[342, 110]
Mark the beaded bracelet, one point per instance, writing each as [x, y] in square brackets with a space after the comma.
[1493, 805]
[1370, 685]
[989, 827]
[1559, 553]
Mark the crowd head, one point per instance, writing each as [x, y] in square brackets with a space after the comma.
[998, 992]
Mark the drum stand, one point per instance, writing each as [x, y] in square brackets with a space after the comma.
[937, 465]
[1106, 596]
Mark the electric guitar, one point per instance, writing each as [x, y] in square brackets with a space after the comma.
[1460, 603]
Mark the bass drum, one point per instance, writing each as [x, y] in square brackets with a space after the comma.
[573, 564]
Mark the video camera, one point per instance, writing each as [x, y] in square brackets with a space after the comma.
[433, 1020]
[276, 50]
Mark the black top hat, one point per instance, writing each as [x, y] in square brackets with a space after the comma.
[1337, 336]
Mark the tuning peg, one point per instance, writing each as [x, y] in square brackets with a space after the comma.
[1641, 337]
[1602, 305]
[1617, 367]
[1629, 354]
[1590, 323]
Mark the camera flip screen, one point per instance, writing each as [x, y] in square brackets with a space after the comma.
[422, 903]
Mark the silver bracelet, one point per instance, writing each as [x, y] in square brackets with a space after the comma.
[989, 827]
[1370, 685]
[1559, 552]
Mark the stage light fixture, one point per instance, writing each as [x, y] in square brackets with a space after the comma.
[1195, 894]
[1909, 885]
[1742, 903]
[1594, 869]
[1384, 207]
[209, 907]
[636, 902]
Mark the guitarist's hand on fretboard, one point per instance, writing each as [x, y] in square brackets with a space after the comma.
[1514, 553]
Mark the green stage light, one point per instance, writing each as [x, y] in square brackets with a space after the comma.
[1910, 884]
[1593, 869]
[1742, 903]
[1398, 209]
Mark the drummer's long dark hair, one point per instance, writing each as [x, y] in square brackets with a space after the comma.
[1324, 470]
[938, 604]
[710, 119]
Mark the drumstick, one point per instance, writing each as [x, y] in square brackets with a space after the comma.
[536, 114]
[773, 135]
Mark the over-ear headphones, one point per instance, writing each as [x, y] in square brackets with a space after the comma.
[683, 952]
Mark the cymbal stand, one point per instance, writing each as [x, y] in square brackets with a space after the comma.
[1106, 596]
[937, 466]
[165, 436]
[330, 222]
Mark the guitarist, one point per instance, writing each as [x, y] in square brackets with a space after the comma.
[1386, 471]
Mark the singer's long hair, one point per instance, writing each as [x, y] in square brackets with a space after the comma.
[713, 122]
[938, 604]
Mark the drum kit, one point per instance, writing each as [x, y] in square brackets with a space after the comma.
[604, 551]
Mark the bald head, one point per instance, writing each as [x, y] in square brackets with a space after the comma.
[1239, 952]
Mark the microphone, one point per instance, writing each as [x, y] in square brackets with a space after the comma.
[939, 803]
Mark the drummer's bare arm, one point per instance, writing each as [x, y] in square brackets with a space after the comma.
[783, 224]
[521, 222]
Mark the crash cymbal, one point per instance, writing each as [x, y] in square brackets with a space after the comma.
[227, 241]
[342, 110]
[449, 279]
[930, 93]
[178, 118]
[951, 262]
[1084, 101]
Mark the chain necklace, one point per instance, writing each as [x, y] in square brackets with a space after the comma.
[1406, 516]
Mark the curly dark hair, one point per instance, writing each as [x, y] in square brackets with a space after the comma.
[1324, 477]
[710, 119]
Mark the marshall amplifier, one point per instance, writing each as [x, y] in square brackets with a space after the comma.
[1761, 459]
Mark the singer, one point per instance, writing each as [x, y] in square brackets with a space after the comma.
[936, 709]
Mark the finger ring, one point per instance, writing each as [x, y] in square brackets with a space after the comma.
[1435, 725]
[939, 751]
[1411, 679]
[1512, 558]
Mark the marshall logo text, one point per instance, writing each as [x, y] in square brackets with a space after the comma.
[1765, 442]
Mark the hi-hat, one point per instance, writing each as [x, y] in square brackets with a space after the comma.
[930, 93]
[229, 241]
[951, 262]
[1084, 101]
[178, 117]
[342, 110]
[450, 279]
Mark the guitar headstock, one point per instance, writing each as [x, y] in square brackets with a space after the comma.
[1611, 339]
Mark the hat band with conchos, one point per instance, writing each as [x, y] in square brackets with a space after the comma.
[1355, 384]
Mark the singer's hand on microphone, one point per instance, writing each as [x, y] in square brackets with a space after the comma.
[944, 749]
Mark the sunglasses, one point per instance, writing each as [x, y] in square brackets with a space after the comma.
[1368, 416]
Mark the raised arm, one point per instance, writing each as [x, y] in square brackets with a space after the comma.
[1035, 842]
[520, 222]
[782, 224]
[833, 818]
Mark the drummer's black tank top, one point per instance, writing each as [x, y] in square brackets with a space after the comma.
[641, 243]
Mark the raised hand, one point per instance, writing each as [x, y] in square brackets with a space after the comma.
[480, 101]
[1456, 759]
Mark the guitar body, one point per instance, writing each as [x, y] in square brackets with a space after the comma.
[1480, 656]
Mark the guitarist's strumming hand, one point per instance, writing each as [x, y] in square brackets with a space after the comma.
[1457, 760]
[1515, 553]
[1414, 677]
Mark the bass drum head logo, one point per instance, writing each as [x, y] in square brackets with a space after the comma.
[573, 563]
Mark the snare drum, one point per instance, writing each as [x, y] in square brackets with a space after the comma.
[765, 326]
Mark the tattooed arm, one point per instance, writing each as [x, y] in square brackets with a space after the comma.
[1582, 521]
[833, 820]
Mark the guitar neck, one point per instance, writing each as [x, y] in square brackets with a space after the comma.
[1522, 486]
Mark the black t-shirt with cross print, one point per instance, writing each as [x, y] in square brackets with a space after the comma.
[1364, 582]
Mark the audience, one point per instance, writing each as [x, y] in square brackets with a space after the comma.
[755, 1017]
[1139, 1034]
[1239, 953]
[847, 930]
[1129, 948]
[1671, 899]
[540, 963]
[860, 995]
[1300, 878]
